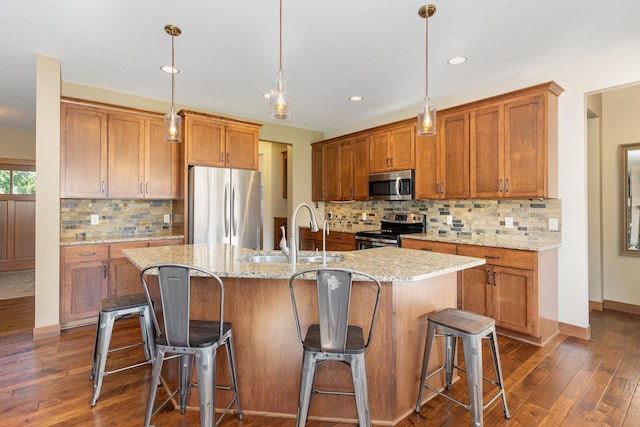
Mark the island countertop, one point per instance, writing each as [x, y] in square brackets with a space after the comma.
[387, 264]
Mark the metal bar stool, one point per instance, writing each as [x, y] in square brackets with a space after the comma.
[111, 310]
[471, 328]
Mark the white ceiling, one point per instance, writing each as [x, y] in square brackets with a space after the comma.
[332, 49]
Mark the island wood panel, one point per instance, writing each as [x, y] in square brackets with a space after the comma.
[269, 354]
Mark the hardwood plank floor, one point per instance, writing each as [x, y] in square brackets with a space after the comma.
[569, 382]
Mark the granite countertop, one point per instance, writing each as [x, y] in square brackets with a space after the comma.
[387, 264]
[117, 239]
[498, 242]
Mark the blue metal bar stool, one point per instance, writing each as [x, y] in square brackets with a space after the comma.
[179, 336]
[111, 310]
[333, 338]
[471, 328]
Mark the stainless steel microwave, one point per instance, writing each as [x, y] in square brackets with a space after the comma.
[397, 185]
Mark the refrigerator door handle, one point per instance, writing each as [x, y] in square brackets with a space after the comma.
[226, 210]
[234, 212]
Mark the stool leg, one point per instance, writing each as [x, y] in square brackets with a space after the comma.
[95, 349]
[105, 326]
[359, 374]
[153, 385]
[234, 378]
[186, 370]
[206, 371]
[450, 345]
[146, 328]
[431, 330]
[473, 361]
[495, 355]
[306, 386]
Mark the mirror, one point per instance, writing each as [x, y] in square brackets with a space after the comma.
[630, 199]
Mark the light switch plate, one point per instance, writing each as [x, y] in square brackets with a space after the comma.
[95, 219]
[364, 216]
[167, 218]
[449, 220]
[553, 224]
[508, 222]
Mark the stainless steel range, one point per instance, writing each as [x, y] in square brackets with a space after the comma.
[392, 226]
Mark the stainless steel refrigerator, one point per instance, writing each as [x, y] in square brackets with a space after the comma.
[225, 206]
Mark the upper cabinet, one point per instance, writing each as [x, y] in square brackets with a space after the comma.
[392, 149]
[110, 153]
[213, 141]
[442, 161]
[514, 145]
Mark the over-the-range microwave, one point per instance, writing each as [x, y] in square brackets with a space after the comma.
[397, 185]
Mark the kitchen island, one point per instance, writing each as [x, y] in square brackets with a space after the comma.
[268, 351]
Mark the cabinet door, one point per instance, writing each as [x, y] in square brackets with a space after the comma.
[331, 170]
[24, 229]
[525, 153]
[124, 277]
[427, 174]
[161, 163]
[454, 140]
[85, 284]
[360, 165]
[126, 156]
[487, 152]
[475, 293]
[83, 152]
[402, 148]
[241, 144]
[317, 173]
[205, 142]
[379, 159]
[346, 168]
[514, 299]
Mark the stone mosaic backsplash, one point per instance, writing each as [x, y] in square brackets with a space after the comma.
[116, 217]
[473, 219]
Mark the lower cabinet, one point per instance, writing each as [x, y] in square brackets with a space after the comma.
[334, 241]
[90, 273]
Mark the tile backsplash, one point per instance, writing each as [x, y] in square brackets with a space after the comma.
[472, 219]
[116, 217]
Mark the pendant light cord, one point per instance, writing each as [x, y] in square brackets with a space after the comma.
[426, 52]
[280, 71]
[173, 71]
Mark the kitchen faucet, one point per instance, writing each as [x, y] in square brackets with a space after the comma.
[293, 247]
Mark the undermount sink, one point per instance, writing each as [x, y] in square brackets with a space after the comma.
[283, 259]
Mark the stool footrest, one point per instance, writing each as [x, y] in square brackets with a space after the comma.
[124, 368]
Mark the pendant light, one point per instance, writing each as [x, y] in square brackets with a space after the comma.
[427, 112]
[172, 121]
[279, 100]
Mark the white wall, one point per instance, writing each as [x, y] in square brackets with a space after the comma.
[620, 125]
[17, 144]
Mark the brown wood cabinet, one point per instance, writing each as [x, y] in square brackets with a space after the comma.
[392, 149]
[18, 231]
[214, 141]
[442, 161]
[514, 144]
[108, 152]
[335, 240]
[430, 246]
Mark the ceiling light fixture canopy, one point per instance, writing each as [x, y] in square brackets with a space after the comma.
[172, 121]
[427, 112]
[279, 97]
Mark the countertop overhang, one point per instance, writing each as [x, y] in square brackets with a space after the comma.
[387, 264]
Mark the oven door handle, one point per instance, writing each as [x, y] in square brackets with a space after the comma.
[398, 186]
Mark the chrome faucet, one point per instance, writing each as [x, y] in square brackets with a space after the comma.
[325, 232]
[293, 247]
[283, 243]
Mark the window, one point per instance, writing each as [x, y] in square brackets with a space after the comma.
[17, 179]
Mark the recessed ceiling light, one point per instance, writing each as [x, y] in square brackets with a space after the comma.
[457, 60]
[169, 69]
[356, 98]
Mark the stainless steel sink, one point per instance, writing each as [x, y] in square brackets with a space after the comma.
[281, 258]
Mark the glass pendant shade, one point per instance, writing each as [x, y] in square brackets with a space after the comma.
[279, 99]
[172, 126]
[427, 119]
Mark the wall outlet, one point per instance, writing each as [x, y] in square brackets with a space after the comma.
[364, 216]
[449, 220]
[330, 215]
[167, 218]
[508, 222]
[553, 224]
[95, 219]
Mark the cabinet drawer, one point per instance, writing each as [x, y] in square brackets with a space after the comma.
[500, 256]
[338, 237]
[115, 249]
[82, 253]
[426, 245]
[166, 242]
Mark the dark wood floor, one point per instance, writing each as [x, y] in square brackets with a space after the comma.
[569, 382]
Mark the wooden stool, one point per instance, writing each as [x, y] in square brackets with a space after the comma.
[112, 309]
[471, 328]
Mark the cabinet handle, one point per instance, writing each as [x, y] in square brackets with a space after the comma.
[501, 185]
[102, 187]
[494, 279]
[228, 157]
[426, 249]
[141, 188]
[222, 156]
[147, 188]
[392, 162]
[507, 185]
[104, 271]
[488, 277]
[87, 254]
[492, 257]
[442, 188]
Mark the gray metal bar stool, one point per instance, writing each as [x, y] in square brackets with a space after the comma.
[179, 336]
[112, 310]
[333, 338]
[471, 328]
